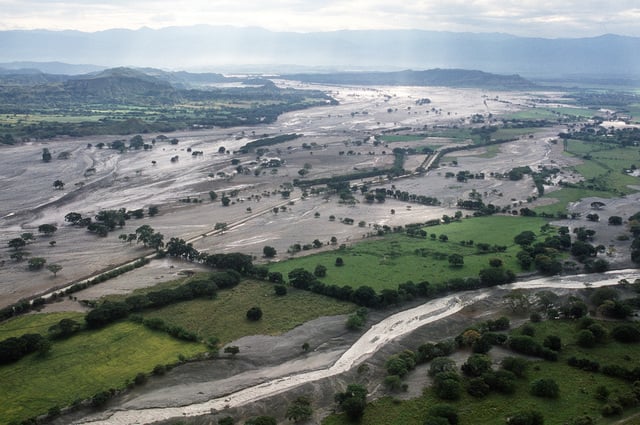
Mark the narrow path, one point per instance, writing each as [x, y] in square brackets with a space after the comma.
[376, 337]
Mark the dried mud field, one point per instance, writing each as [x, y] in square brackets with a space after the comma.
[98, 179]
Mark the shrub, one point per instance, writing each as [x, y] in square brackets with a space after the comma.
[611, 409]
[586, 339]
[477, 387]
[552, 342]
[254, 314]
[476, 365]
[516, 365]
[547, 388]
[280, 290]
[530, 417]
[626, 333]
[445, 411]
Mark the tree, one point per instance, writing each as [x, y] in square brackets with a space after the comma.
[47, 229]
[58, 184]
[54, 268]
[456, 260]
[27, 237]
[46, 155]
[212, 195]
[269, 251]
[254, 314]
[16, 243]
[225, 201]
[615, 220]
[232, 349]
[547, 388]
[339, 262]
[320, 271]
[280, 290]
[300, 410]
[153, 210]
[353, 401]
[525, 238]
[36, 263]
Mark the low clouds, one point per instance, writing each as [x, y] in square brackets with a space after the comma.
[537, 18]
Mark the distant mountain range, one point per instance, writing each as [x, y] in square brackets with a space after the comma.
[257, 50]
[124, 84]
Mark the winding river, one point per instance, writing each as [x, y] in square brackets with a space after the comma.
[376, 337]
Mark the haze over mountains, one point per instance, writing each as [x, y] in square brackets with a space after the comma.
[232, 49]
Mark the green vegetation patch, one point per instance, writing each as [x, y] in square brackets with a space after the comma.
[34, 323]
[385, 263]
[391, 138]
[225, 316]
[79, 367]
[577, 388]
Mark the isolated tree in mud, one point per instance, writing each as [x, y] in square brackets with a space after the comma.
[36, 263]
[16, 243]
[46, 155]
[269, 251]
[47, 229]
[54, 268]
[58, 184]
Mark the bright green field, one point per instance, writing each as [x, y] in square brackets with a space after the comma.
[224, 317]
[389, 261]
[402, 138]
[603, 170]
[577, 389]
[35, 323]
[83, 365]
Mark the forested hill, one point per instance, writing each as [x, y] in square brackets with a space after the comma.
[127, 101]
[432, 77]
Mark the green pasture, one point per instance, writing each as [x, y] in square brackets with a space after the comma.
[531, 114]
[606, 165]
[513, 133]
[35, 323]
[225, 316]
[386, 262]
[603, 174]
[390, 138]
[83, 365]
[577, 388]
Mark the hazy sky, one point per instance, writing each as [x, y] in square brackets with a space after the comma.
[539, 18]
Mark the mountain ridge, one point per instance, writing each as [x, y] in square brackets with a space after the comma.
[206, 47]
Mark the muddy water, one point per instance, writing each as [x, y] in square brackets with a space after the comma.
[376, 337]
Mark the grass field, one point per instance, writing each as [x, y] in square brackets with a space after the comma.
[34, 323]
[603, 174]
[389, 261]
[224, 317]
[390, 138]
[83, 365]
[577, 389]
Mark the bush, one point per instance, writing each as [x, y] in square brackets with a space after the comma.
[448, 389]
[280, 290]
[552, 342]
[476, 365]
[626, 333]
[586, 339]
[611, 409]
[445, 411]
[141, 378]
[254, 314]
[516, 365]
[435, 420]
[262, 420]
[477, 387]
[547, 388]
[530, 417]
